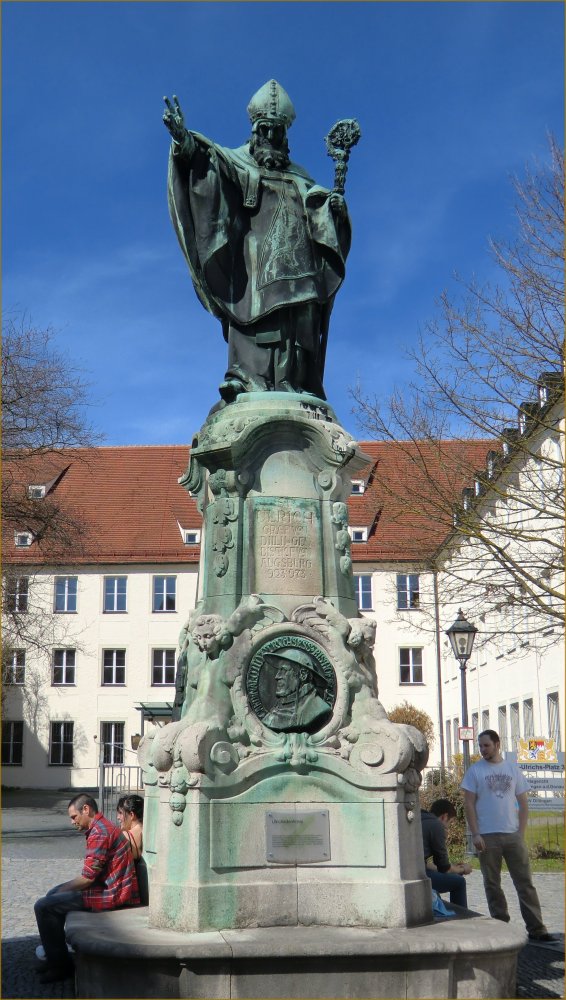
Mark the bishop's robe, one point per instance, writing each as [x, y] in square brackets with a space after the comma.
[266, 255]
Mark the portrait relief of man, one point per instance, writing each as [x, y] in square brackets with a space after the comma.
[299, 686]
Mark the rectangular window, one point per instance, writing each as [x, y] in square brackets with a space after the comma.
[475, 720]
[515, 724]
[61, 743]
[164, 593]
[64, 666]
[17, 594]
[36, 492]
[528, 719]
[163, 669]
[410, 666]
[457, 747]
[358, 534]
[484, 719]
[16, 667]
[112, 738]
[23, 539]
[114, 666]
[66, 594]
[362, 585]
[553, 718]
[190, 536]
[115, 594]
[502, 726]
[12, 743]
[407, 591]
[448, 740]
[358, 487]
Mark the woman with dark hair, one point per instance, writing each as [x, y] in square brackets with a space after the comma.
[129, 814]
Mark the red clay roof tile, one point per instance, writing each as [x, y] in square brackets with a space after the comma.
[132, 505]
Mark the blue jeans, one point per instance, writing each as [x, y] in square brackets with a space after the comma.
[50, 913]
[452, 883]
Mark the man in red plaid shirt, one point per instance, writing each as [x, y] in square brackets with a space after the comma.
[107, 881]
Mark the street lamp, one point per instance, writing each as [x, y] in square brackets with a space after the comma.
[462, 635]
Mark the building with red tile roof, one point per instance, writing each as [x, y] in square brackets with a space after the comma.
[111, 594]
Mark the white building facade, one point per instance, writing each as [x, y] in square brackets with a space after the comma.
[110, 622]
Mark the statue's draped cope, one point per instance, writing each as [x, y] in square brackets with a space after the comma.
[256, 240]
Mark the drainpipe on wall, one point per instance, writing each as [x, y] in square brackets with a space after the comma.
[438, 665]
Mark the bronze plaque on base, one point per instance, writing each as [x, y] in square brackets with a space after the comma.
[297, 837]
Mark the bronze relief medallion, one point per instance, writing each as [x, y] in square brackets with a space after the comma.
[291, 684]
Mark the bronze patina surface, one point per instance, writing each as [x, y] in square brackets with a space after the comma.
[265, 245]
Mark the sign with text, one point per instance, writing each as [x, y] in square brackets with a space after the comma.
[297, 837]
[465, 732]
[287, 558]
[544, 783]
[550, 805]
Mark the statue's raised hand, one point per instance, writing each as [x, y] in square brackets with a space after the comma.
[338, 204]
[174, 120]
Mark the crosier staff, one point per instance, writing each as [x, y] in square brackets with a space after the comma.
[339, 141]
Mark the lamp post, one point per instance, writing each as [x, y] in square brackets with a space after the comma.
[462, 635]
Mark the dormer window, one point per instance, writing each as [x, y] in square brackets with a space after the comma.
[467, 497]
[542, 394]
[358, 534]
[36, 492]
[522, 423]
[491, 464]
[23, 539]
[358, 487]
[191, 536]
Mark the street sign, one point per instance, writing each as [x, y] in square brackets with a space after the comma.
[465, 732]
[551, 805]
[543, 784]
[528, 768]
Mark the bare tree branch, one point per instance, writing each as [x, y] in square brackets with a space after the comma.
[490, 366]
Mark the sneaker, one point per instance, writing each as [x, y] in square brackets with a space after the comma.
[543, 937]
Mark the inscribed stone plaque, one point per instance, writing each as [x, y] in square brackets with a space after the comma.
[297, 837]
[286, 550]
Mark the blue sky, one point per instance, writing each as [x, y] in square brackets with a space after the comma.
[452, 99]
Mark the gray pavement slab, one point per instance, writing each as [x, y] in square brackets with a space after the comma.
[33, 864]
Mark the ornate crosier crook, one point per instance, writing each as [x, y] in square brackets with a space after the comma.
[339, 141]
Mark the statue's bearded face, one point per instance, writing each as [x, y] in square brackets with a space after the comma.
[269, 146]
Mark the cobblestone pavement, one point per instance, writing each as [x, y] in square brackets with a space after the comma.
[25, 878]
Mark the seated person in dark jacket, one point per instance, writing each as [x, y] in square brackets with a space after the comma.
[444, 876]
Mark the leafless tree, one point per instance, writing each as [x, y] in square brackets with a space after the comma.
[44, 404]
[490, 366]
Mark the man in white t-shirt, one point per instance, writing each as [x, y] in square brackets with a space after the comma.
[492, 789]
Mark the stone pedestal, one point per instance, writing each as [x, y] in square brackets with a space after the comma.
[119, 954]
[282, 794]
